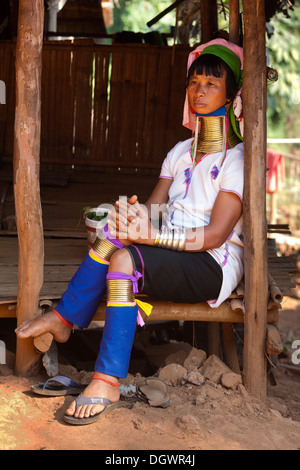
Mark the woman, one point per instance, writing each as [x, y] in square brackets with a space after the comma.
[197, 253]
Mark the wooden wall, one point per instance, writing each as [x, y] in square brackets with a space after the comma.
[117, 106]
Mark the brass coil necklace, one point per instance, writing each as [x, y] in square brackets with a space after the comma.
[213, 135]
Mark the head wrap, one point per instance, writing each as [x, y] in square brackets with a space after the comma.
[232, 55]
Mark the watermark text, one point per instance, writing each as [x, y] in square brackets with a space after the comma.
[138, 222]
[2, 92]
[2, 352]
[296, 354]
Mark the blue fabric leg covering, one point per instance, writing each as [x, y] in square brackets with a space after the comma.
[116, 343]
[79, 303]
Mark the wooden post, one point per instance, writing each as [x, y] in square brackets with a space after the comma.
[234, 21]
[213, 338]
[230, 350]
[255, 226]
[209, 19]
[26, 172]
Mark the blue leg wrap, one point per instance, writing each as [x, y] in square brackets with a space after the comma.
[117, 340]
[85, 291]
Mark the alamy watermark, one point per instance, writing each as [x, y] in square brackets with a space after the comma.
[296, 354]
[2, 92]
[129, 221]
[2, 352]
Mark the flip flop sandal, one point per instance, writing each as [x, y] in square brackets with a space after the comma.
[81, 400]
[58, 386]
[43, 342]
[153, 391]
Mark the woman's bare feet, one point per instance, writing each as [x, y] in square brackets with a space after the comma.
[49, 322]
[97, 388]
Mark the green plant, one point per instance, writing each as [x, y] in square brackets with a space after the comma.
[93, 215]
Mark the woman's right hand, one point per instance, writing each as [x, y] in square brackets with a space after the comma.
[129, 222]
[120, 216]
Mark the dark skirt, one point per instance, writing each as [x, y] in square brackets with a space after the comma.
[187, 277]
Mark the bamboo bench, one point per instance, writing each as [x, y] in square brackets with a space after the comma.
[227, 314]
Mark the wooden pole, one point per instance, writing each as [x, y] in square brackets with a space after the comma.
[256, 274]
[234, 21]
[229, 345]
[209, 19]
[26, 172]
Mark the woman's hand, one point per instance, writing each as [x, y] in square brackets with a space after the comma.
[130, 223]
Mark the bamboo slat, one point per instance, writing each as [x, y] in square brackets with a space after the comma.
[83, 102]
[177, 97]
[118, 106]
[150, 108]
[101, 99]
[7, 111]
[57, 104]
[162, 116]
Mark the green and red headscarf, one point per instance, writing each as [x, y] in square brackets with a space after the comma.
[232, 55]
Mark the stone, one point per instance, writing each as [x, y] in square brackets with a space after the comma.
[173, 374]
[138, 424]
[177, 357]
[231, 380]
[277, 406]
[194, 377]
[275, 413]
[243, 392]
[188, 423]
[213, 393]
[195, 359]
[199, 400]
[213, 369]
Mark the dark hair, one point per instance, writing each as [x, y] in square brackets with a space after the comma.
[209, 64]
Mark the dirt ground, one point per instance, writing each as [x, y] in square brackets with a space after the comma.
[200, 417]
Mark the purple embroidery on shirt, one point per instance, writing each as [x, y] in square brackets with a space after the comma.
[188, 173]
[232, 191]
[226, 255]
[188, 176]
[225, 258]
[214, 172]
[173, 211]
[231, 235]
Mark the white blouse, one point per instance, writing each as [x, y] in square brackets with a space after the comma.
[191, 198]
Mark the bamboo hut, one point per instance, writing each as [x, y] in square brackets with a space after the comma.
[60, 139]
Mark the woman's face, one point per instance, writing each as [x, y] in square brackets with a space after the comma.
[207, 93]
